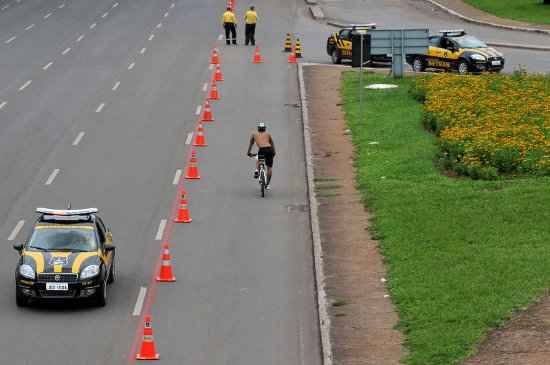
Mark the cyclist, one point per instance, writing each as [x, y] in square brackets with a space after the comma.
[266, 150]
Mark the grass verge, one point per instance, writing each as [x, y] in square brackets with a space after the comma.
[532, 11]
[462, 254]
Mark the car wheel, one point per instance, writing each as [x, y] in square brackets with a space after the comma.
[463, 68]
[336, 57]
[418, 65]
[101, 295]
[112, 272]
[20, 299]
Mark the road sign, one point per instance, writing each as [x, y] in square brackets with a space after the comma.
[398, 43]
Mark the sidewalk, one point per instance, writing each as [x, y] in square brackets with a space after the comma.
[470, 11]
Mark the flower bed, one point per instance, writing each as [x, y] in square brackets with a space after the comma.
[489, 125]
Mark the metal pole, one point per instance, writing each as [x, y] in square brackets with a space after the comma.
[361, 84]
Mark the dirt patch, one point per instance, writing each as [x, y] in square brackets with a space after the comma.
[525, 340]
[363, 317]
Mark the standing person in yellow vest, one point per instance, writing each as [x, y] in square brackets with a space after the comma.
[230, 25]
[250, 18]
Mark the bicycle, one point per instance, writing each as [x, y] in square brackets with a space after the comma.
[262, 173]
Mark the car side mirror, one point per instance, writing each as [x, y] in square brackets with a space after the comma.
[109, 248]
[18, 247]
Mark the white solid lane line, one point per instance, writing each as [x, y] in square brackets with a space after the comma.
[105, 15]
[29, 27]
[189, 138]
[47, 15]
[131, 66]
[143, 50]
[160, 231]
[93, 25]
[198, 111]
[139, 301]
[52, 177]
[16, 230]
[66, 51]
[151, 37]
[81, 37]
[159, 25]
[3, 104]
[177, 177]
[10, 40]
[116, 85]
[205, 86]
[47, 66]
[25, 85]
[100, 108]
[115, 5]
[78, 138]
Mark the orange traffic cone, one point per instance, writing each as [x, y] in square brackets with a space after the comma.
[183, 211]
[215, 58]
[147, 350]
[207, 112]
[292, 57]
[200, 140]
[257, 56]
[218, 76]
[192, 168]
[214, 95]
[165, 272]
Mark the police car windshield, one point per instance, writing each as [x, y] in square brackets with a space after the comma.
[54, 238]
[467, 41]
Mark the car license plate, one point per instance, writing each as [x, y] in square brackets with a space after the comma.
[57, 286]
[495, 63]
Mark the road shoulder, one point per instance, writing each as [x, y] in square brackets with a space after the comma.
[362, 316]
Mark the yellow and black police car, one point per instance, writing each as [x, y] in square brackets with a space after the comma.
[68, 255]
[454, 50]
[339, 44]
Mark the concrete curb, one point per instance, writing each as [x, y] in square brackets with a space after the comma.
[477, 21]
[316, 12]
[322, 303]
[494, 44]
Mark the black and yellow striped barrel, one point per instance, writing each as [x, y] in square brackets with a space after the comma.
[298, 48]
[288, 43]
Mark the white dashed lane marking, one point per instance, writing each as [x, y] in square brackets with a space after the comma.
[143, 50]
[211, 67]
[47, 66]
[205, 86]
[159, 25]
[61, 6]
[29, 27]
[116, 85]
[67, 50]
[52, 176]
[78, 138]
[3, 104]
[115, 5]
[139, 301]
[172, 6]
[92, 26]
[166, 14]
[151, 37]
[105, 15]
[220, 37]
[80, 37]
[198, 111]
[8, 41]
[16, 230]
[5, 7]
[160, 231]
[189, 138]
[25, 85]
[100, 108]
[177, 177]
[47, 15]
[131, 66]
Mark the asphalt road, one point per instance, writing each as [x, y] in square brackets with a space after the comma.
[418, 13]
[97, 100]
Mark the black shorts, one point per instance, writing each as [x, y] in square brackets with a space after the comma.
[267, 154]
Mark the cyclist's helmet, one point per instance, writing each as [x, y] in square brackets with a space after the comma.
[261, 127]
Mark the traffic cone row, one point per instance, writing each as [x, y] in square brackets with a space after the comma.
[288, 44]
[192, 168]
[295, 51]
[214, 94]
[218, 76]
[257, 56]
[147, 349]
[200, 139]
[165, 272]
[183, 211]
[207, 112]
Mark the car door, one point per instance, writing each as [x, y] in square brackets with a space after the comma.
[345, 43]
[102, 234]
[438, 53]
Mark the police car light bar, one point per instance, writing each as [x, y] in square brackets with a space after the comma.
[367, 25]
[452, 31]
[67, 212]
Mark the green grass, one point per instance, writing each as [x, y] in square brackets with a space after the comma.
[462, 254]
[532, 11]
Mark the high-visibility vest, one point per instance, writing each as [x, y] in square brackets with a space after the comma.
[251, 17]
[229, 17]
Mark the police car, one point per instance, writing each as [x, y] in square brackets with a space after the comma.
[454, 50]
[68, 255]
[339, 44]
